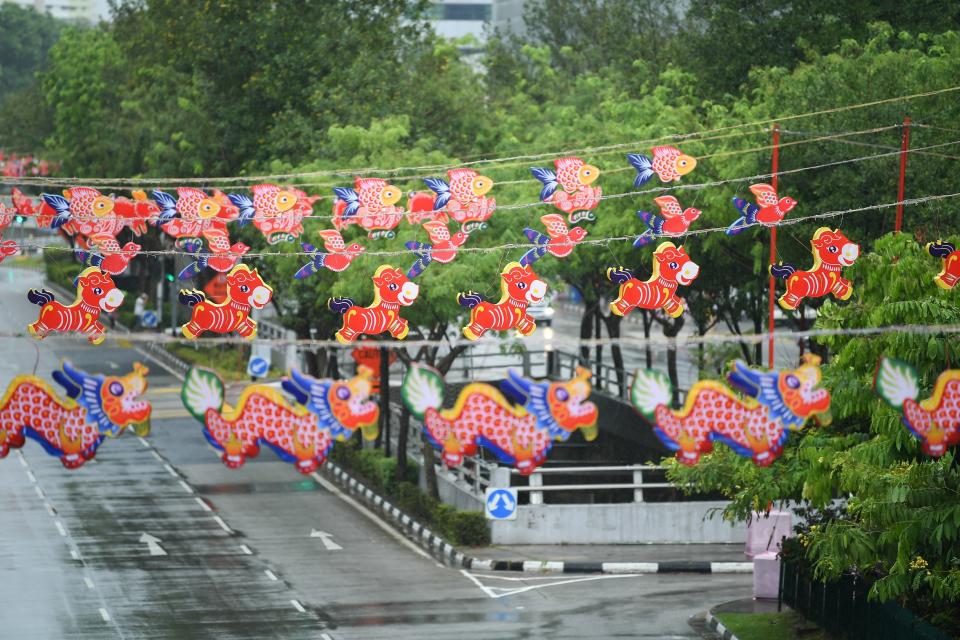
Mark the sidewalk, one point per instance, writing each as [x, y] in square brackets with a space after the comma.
[620, 558]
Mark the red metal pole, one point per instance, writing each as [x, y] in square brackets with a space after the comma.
[773, 240]
[904, 146]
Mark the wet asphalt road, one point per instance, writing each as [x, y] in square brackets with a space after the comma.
[231, 553]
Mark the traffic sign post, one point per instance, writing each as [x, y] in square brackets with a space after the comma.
[259, 364]
[500, 504]
[149, 319]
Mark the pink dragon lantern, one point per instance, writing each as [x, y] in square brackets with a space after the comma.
[832, 251]
[370, 204]
[246, 291]
[672, 267]
[519, 287]
[392, 290]
[96, 293]
[570, 188]
[464, 198]
[755, 426]
[302, 433]
[73, 428]
[769, 210]
[276, 212]
[520, 434]
[933, 421]
[950, 273]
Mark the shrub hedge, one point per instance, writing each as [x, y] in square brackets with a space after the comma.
[466, 528]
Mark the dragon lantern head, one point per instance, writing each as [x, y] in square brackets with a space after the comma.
[342, 406]
[113, 403]
[793, 395]
[559, 407]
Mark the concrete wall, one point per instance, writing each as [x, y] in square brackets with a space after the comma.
[627, 523]
[454, 492]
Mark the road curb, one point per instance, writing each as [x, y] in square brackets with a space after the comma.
[438, 547]
[714, 624]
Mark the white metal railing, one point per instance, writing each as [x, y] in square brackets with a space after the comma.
[536, 486]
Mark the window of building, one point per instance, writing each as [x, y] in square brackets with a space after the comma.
[445, 11]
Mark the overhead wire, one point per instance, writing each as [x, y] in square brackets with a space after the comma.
[525, 157]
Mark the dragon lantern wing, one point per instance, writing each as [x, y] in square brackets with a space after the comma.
[896, 382]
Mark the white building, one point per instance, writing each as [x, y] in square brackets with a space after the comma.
[508, 16]
[90, 11]
[458, 18]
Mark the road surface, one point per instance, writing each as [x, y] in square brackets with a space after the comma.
[157, 539]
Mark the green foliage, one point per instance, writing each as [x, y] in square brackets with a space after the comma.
[788, 625]
[379, 472]
[27, 35]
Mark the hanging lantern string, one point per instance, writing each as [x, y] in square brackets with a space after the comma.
[491, 161]
[623, 341]
[654, 190]
[590, 241]
[212, 182]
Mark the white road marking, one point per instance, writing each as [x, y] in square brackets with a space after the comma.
[113, 365]
[325, 636]
[89, 582]
[731, 567]
[171, 470]
[104, 615]
[203, 504]
[157, 456]
[32, 477]
[23, 461]
[38, 491]
[299, 607]
[186, 487]
[75, 554]
[326, 539]
[492, 591]
[153, 544]
[144, 442]
[369, 515]
[223, 525]
[270, 574]
[59, 525]
[53, 514]
[246, 549]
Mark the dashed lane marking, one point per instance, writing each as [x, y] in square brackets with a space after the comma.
[59, 525]
[104, 615]
[245, 549]
[186, 487]
[32, 477]
[270, 574]
[203, 504]
[157, 456]
[88, 582]
[143, 441]
[223, 525]
[299, 607]
[171, 470]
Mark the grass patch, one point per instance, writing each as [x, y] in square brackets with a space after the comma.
[32, 261]
[229, 361]
[787, 625]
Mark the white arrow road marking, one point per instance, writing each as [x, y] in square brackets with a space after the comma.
[493, 591]
[153, 545]
[326, 539]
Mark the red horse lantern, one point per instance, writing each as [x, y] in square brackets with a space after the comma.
[950, 273]
[392, 290]
[519, 287]
[246, 290]
[832, 251]
[96, 292]
[672, 267]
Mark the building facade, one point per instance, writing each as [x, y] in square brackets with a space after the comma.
[89, 11]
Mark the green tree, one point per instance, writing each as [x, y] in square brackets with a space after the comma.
[27, 36]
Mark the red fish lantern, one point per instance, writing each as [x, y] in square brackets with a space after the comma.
[570, 187]
[950, 273]
[519, 287]
[96, 219]
[667, 163]
[73, 428]
[420, 208]
[832, 251]
[464, 198]
[96, 293]
[673, 221]
[370, 204]
[246, 291]
[301, 433]
[755, 426]
[8, 248]
[672, 267]
[392, 290]
[338, 256]
[768, 211]
[520, 434]
[276, 212]
[559, 241]
[193, 215]
[932, 421]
